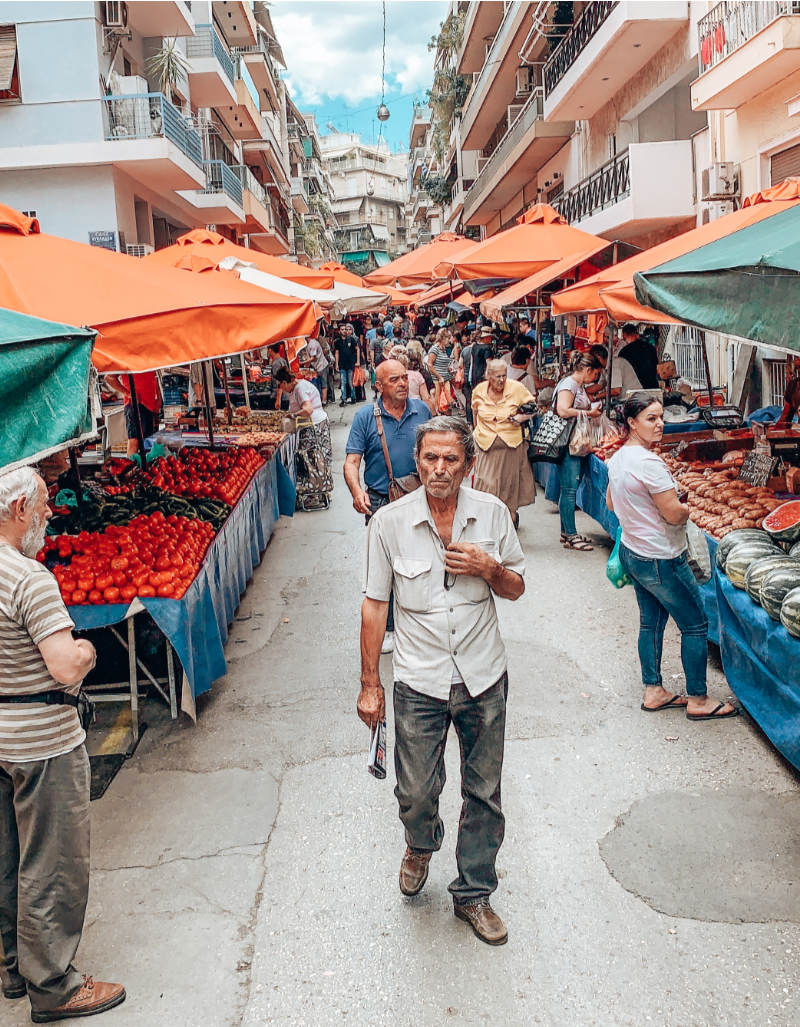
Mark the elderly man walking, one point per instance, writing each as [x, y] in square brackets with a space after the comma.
[399, 417]
[44, 773]
[446, 551]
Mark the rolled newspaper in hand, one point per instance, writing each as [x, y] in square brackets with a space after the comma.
[377, 751]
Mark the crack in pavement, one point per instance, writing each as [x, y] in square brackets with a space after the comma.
[228, 850]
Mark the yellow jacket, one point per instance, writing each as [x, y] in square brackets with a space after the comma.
[492, 419]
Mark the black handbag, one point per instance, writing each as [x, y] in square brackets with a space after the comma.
[551, 439]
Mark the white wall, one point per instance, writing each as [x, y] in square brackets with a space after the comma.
[69, 202]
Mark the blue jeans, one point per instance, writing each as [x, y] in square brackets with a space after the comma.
[664, 588]
[346, 379]
[570, 472]
[421, 724]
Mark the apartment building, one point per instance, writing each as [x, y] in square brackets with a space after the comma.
[370, 188]
[314, 222]
[125, 125]
[424, 211]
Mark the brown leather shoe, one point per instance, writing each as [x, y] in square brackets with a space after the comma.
[414, 871]
[483, 920]
[92, 997]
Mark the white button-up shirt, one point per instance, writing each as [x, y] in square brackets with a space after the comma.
[435, 627]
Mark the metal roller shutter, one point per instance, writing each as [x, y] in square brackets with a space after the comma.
[8, 56]
[785, 164]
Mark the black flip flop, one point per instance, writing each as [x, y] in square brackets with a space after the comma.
[670, 704]
[715, 714]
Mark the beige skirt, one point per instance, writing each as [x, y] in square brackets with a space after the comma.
[506, 473]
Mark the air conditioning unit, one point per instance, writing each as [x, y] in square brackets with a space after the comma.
[132, 85]
[512, 112]
[524, 82]
[719, 181]
[712, 211]
[116, 15]
[138, 249]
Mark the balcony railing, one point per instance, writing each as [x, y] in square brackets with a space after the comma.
[207, 43]
[249, 182]
[489, 69]
[245, 76]
[532, 111]
[573, 44]
[220, 178]
[150, 116]
[730, 24]
[603, 188]
[257, 48]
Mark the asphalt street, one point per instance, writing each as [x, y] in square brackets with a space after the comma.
[245, 869]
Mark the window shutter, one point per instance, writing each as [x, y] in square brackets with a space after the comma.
[785, 164]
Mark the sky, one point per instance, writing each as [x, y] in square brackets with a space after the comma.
[333, 61]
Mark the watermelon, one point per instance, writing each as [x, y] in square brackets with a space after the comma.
[790, 612]
[733, 538]
[759, 568]
[783, 524]
[775, 586]
[741, 556]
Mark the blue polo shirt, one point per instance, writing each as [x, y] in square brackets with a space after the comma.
[400, 439]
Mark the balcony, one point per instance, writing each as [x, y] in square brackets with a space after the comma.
[267, 148]
[211, 71]
[299, 195]
[244, 120]
[275, 238]
[528, 144]
[221, 201]
[159, 18]
[647, 187]
[420, 124]
[482, 22]
[257, 213]
[494, 88]
[236, 20]
[262, 70]
[605, 48]
[744, 49]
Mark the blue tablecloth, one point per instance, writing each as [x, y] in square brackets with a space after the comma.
[760, 659]
[197, 624]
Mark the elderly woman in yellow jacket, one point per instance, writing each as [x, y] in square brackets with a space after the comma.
[501, 466]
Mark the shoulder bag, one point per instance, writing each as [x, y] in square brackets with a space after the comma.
[550, 441]
[398, 487]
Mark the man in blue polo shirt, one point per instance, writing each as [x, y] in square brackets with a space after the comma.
[400, 416]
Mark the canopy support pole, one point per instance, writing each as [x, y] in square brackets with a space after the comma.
[209, 409]
[137, 420]
[708, 374]
[245, 386]
[76, 474]
[610, 365]
[226, 387]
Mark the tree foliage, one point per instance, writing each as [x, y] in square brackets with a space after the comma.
[449, 90]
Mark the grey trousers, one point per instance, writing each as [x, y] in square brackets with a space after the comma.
[421, 726]
[44, 873]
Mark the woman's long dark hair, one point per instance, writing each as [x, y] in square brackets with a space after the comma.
[637, 404]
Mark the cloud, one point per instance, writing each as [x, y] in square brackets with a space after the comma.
[333, 49]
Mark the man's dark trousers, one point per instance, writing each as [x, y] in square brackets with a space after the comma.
[421, 725]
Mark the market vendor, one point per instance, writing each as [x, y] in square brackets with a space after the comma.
[791, 397]
[305, 401]
[148, 396]
[197, 373]
[636, 365]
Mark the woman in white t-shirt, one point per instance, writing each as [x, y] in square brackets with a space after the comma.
[569, 400]
[644, 496]
[305, 401]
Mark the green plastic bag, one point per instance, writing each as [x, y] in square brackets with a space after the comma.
[614, 570]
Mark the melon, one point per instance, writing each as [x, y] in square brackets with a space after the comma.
[790, 612]
[741, 556]
[775, 586]
[783, 524]
[733, 538]
[759, 568]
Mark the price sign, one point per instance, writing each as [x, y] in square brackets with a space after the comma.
[757, 468]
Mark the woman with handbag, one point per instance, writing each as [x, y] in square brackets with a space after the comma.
[501, 461]
[570, 399]
[443, 359]
[653, 552]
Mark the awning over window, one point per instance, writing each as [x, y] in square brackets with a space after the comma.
[8, 56]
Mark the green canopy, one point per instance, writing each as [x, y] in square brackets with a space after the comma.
[747, 284]
[44, 387]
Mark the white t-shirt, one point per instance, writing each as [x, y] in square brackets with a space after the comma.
[624, 377]
[635, 474]
[302, 393]
[580, 397]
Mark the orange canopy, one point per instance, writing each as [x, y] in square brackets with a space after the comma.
[148, 317]
[441, 293]
[200, 250]
[540, 237]
[611, 290]
[417, 266]
[493, 308]
[341, 274]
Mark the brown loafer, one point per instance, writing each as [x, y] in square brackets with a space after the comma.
[92, 997]
[414, 871]
[483, 920]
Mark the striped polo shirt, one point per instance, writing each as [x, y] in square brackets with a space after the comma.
[441, 361]
[31, 609]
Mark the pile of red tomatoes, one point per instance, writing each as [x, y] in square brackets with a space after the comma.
[200, 472]
[153, 556]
